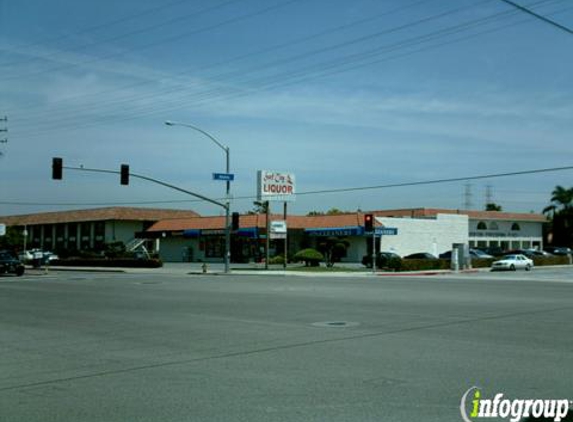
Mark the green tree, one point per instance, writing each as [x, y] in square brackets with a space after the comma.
[259, 207]
[493, 207]
[332, 211]
[310, 257]
[13, 240]
[560, 214]
[333, 248]
[561, 201]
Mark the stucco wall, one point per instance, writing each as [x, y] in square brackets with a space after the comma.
[434, 236]
[121, 231]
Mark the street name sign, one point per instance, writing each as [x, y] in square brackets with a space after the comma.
[227, 177]
[386, 231]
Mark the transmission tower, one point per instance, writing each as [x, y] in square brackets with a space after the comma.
[488, 195]
[468, 196]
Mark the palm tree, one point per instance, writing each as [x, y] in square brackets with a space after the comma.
[562, 201]
[560, 213]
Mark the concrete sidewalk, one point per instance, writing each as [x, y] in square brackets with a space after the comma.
[196, 269]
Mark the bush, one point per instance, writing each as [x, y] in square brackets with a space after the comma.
[483, 262]
[276, 260]
[311, 257]
[424, 264]
[550, 260]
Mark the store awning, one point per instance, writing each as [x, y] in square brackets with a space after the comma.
[336, 231]
[191, 233]
[250, 232]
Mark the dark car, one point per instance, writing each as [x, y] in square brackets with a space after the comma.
[9, 264]
[558, 250]
[382, 259]
[474, 254]
[530, 253]
[493, 251]
[421, 255]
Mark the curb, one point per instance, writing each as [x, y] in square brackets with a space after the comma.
[78, 269]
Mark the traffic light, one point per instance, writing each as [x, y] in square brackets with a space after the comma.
[235, 221]
[57, 168]
[124, 180]
[368, 223]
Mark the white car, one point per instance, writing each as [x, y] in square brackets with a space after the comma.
[513, 263]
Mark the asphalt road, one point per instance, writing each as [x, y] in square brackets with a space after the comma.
[126, 347]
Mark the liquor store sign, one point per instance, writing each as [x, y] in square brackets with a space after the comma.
[275, 186]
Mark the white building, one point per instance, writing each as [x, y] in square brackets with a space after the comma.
[433, 235]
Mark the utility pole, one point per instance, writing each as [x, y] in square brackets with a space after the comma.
[3, 131]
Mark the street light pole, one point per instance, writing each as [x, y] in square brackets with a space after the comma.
[227, 151]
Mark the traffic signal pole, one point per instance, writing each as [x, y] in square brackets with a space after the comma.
[57, 168]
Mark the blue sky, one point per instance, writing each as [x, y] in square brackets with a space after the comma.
[342, 94]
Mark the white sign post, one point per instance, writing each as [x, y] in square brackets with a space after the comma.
[276, 186]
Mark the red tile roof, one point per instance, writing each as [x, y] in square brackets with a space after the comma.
[325, 221]
[259, 220]
[97, 214]
[474, 215]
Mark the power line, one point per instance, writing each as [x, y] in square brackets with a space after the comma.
[538, 16]
[282, 78]
[287, 78]
[92, 28]
[156, 43]
[274, 48]
[258, 68]
[328, 191]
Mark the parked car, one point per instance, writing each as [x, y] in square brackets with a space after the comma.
[492, 250]
[37, 257]
[558, 250]
[382, 259]
[25, 256]
[420, 255]
[530, 253]
[513, 263]
[479, 254]
[10, 265]
[474, 254]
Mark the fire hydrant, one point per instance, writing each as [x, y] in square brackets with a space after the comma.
[204, 267]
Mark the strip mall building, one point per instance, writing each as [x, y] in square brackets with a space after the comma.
[417, 230]
[180, 236]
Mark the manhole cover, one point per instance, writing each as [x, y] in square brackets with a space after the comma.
[335, 324]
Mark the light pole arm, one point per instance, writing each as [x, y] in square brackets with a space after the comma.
[198, 129]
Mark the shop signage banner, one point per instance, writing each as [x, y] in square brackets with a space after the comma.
[275, 186]
[278, 229]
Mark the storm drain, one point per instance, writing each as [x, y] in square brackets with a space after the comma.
[335, 324]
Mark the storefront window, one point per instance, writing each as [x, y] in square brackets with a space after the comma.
[214, 247]
[72, 236]
[99, 234]
[85, 232]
